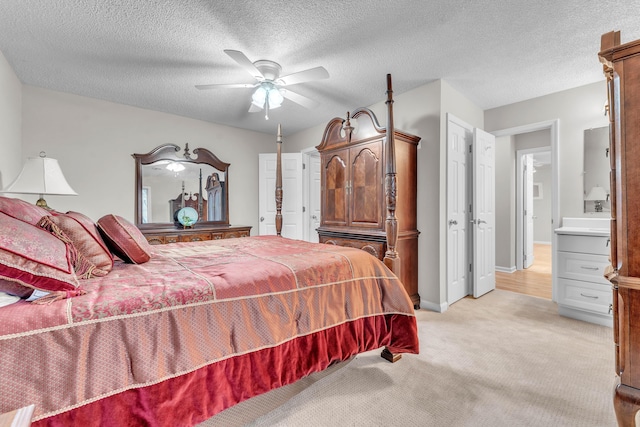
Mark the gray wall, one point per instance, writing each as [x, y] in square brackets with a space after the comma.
[10, 123]
[93, 140]
[577, 109]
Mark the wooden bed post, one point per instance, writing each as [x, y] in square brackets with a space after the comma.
[391, 258]
[279, 182]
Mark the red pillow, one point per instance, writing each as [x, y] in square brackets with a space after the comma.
[124, 239]
[35, 259]
[24, 211]
[94, 258]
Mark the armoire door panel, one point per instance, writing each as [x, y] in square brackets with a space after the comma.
[335, 194]
[366, 179]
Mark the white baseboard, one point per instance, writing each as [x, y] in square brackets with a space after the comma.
[506, 269]
[432, 306]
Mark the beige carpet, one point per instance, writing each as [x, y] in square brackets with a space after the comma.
[504, 359]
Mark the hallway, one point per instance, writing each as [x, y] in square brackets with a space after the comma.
[535, 280]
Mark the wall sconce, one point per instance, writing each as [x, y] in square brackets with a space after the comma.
[41, 175]
[597, 195]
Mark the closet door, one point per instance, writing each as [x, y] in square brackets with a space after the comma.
[334, 181]
[366, 185]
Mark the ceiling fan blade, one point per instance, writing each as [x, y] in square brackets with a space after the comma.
[215, 86]
[245, 63]
[317, 73]
[254, 108]
[299, 99]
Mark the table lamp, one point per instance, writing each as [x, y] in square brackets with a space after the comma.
[41, 175]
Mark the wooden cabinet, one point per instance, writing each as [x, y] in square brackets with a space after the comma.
[622, 68]
[162, 236]
[583, 255]
[353, 200]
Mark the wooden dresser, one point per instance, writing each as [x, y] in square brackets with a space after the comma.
[160, 236]
[622, 68]
[353, 204]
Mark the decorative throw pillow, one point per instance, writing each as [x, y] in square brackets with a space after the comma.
[124, 239]
[35, 259]
[24, 211]
[94, 258]
[15, 288]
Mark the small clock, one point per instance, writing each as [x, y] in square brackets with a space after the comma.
[187, 217]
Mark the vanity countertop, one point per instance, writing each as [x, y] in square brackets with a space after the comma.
[583, 231]
[585, 226]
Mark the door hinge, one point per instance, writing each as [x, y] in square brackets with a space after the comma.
[304, 166]
[304, 209]
[470, 268]
[524, 257]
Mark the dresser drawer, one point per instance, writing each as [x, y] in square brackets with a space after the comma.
[599, 245]
[195, 237]
[377, 249]
[585, 296]
[579, 266]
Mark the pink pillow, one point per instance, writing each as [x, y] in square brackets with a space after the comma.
[15, 288]
[35, 259]
[24, 211]
[94, 258]
[124, 239]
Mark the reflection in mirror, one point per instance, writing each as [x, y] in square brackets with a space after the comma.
[169, 186]
[167, 181]
[596, 170]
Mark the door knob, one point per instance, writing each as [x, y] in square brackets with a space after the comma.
[453, 222]
[261, 219]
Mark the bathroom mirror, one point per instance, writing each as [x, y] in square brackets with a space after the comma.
[596, 170]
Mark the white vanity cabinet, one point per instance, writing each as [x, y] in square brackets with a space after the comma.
[583, 246]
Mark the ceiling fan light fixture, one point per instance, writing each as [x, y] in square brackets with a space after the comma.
[275, 98]
[264, 92]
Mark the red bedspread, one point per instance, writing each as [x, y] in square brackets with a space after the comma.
[200, 327]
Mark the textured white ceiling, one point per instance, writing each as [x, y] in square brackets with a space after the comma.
[151, 53]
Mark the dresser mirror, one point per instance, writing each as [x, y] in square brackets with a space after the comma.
[596, 170]
[170, 179]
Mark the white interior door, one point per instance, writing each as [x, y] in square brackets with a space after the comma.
[458, 140]
[314, 197]
[527, 221]
[484, 201]
[291, 190]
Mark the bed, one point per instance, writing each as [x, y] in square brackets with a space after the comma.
[173, 334]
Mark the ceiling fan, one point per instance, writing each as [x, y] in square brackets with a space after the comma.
[270, 89]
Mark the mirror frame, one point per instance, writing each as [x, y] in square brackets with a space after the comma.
[170, 152]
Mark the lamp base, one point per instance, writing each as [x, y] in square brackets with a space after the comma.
[43, 203]
[598, 206]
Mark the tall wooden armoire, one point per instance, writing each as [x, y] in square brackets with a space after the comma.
[622, 69]
[353, 205]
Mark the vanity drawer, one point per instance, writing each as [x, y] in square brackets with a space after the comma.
[599, 245]
[580, 266]
[585, 296]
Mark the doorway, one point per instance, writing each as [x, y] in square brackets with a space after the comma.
[518, 231]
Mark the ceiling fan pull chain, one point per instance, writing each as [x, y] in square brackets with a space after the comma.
[266, 107]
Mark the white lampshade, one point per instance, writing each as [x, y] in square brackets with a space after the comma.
[596, 193]
[41, 175]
